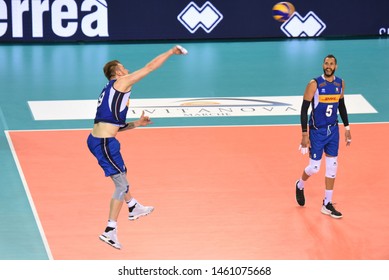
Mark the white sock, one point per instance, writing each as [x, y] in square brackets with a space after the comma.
[112, 224]
[131, 202]
[328, 196]
[300, 184]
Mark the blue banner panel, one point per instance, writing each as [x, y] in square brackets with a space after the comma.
[126, 20]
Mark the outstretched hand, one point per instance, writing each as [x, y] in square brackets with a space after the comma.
[179, 50]
[143, 120]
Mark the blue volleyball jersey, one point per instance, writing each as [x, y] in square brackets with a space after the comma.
[112, 105]
[325, 103]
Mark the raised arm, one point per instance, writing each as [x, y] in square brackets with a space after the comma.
[125, 83]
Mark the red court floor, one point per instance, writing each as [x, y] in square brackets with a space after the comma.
[219, 193]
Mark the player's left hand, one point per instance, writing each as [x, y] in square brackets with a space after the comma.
[305, 144]
[347, 136]
[144, 120]
[303, 150]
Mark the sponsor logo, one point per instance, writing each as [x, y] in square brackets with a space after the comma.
[66, 18]
[193, 17]
[223, 106]
[323, 84]
[309, 26]
[190, 107]
[329, 98]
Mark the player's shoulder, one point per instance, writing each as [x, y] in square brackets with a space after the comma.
[313, 83]
[337, 78]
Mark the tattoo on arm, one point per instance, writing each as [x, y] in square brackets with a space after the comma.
[129, 125]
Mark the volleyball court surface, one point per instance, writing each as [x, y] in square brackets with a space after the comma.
[222, 187]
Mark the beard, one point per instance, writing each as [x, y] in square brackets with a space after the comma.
[328, 72]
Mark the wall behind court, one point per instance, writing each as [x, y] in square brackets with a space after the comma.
[127, 20]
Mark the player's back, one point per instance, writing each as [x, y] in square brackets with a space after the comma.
[112, 105]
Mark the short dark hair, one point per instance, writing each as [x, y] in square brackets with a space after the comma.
[110, 68]
[331, 56]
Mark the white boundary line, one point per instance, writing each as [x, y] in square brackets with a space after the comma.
[32, 205]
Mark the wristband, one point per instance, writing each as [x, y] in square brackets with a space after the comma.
[347, 127]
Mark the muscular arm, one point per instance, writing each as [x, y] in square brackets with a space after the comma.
[125, 83]
[344, 116]
[129, 125]
[304, 115]
[343, 112]
[142, 121]
[308, 96]
[342, 107]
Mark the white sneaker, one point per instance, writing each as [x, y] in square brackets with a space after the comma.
[111, 238]
[139, 211]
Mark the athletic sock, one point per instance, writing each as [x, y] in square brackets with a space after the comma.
[300, 184]
[131, 203]
[111, 225]
[328, 196]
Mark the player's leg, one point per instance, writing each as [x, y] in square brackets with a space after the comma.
[121, 190]
[107, 152]
[315, 153]
[135, 208]
[109, 235]
[331, 151]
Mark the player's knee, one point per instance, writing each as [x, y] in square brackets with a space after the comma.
[121, 186]
[313, 167]
[331, 167]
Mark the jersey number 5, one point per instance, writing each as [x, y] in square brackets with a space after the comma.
[329, 110]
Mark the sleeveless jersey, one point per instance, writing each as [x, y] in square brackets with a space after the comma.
[112, 105]
[325, 103]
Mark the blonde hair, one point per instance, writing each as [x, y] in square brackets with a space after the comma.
[110, 68]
